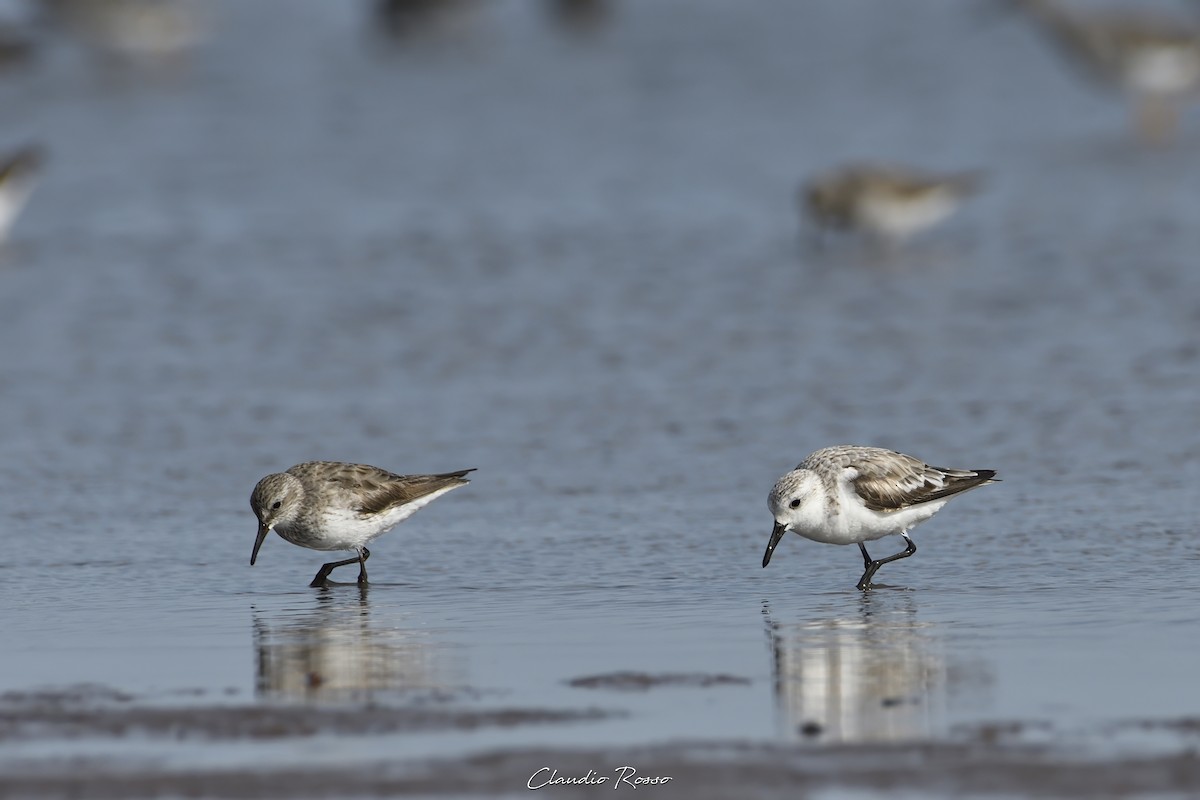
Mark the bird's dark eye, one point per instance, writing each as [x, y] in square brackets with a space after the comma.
[795, 503]
[276, 504]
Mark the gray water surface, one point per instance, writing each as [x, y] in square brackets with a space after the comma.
[576, 265]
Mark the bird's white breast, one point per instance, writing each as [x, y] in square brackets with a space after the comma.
[903, 217]
[1165, 71]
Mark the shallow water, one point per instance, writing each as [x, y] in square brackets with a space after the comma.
[575, 265]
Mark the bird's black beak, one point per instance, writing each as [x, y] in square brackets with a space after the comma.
[263, 530]
[776, 534]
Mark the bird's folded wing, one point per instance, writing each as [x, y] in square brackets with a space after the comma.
[396, 490]
[902, 481]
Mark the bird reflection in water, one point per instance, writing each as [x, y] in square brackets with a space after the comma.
[336, 652]
[878, 675]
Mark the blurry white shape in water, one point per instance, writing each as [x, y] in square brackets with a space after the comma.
[135, 30]
[889, 203]
[19, 175]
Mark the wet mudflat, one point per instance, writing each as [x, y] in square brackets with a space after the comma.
[575, 264]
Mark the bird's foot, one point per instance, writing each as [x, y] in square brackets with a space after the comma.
[864, 582]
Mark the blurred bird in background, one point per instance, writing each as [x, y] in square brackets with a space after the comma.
[133, 31]
[888, 203]
[1153, 59]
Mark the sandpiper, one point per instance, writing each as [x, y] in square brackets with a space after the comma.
[850, 495]
[330, 505]
[1152, 58]
[889, 203]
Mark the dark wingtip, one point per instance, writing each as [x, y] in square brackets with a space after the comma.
[987, 474]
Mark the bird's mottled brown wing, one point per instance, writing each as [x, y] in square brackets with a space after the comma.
[888, 481]
[403, 489]
[910, 185]
[896, 483]
[370, 489]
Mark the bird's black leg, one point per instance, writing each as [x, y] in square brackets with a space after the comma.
[864, 582]
[364, 554]
[872, 566]
[908, 551]
[869, 568]
[325, 569]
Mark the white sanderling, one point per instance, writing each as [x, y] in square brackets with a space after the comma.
[329, 505]
[850, 495]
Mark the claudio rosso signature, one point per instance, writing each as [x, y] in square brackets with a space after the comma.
[622, 776]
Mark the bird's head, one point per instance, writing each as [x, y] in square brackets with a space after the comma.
[276, 500]
[794, 499]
